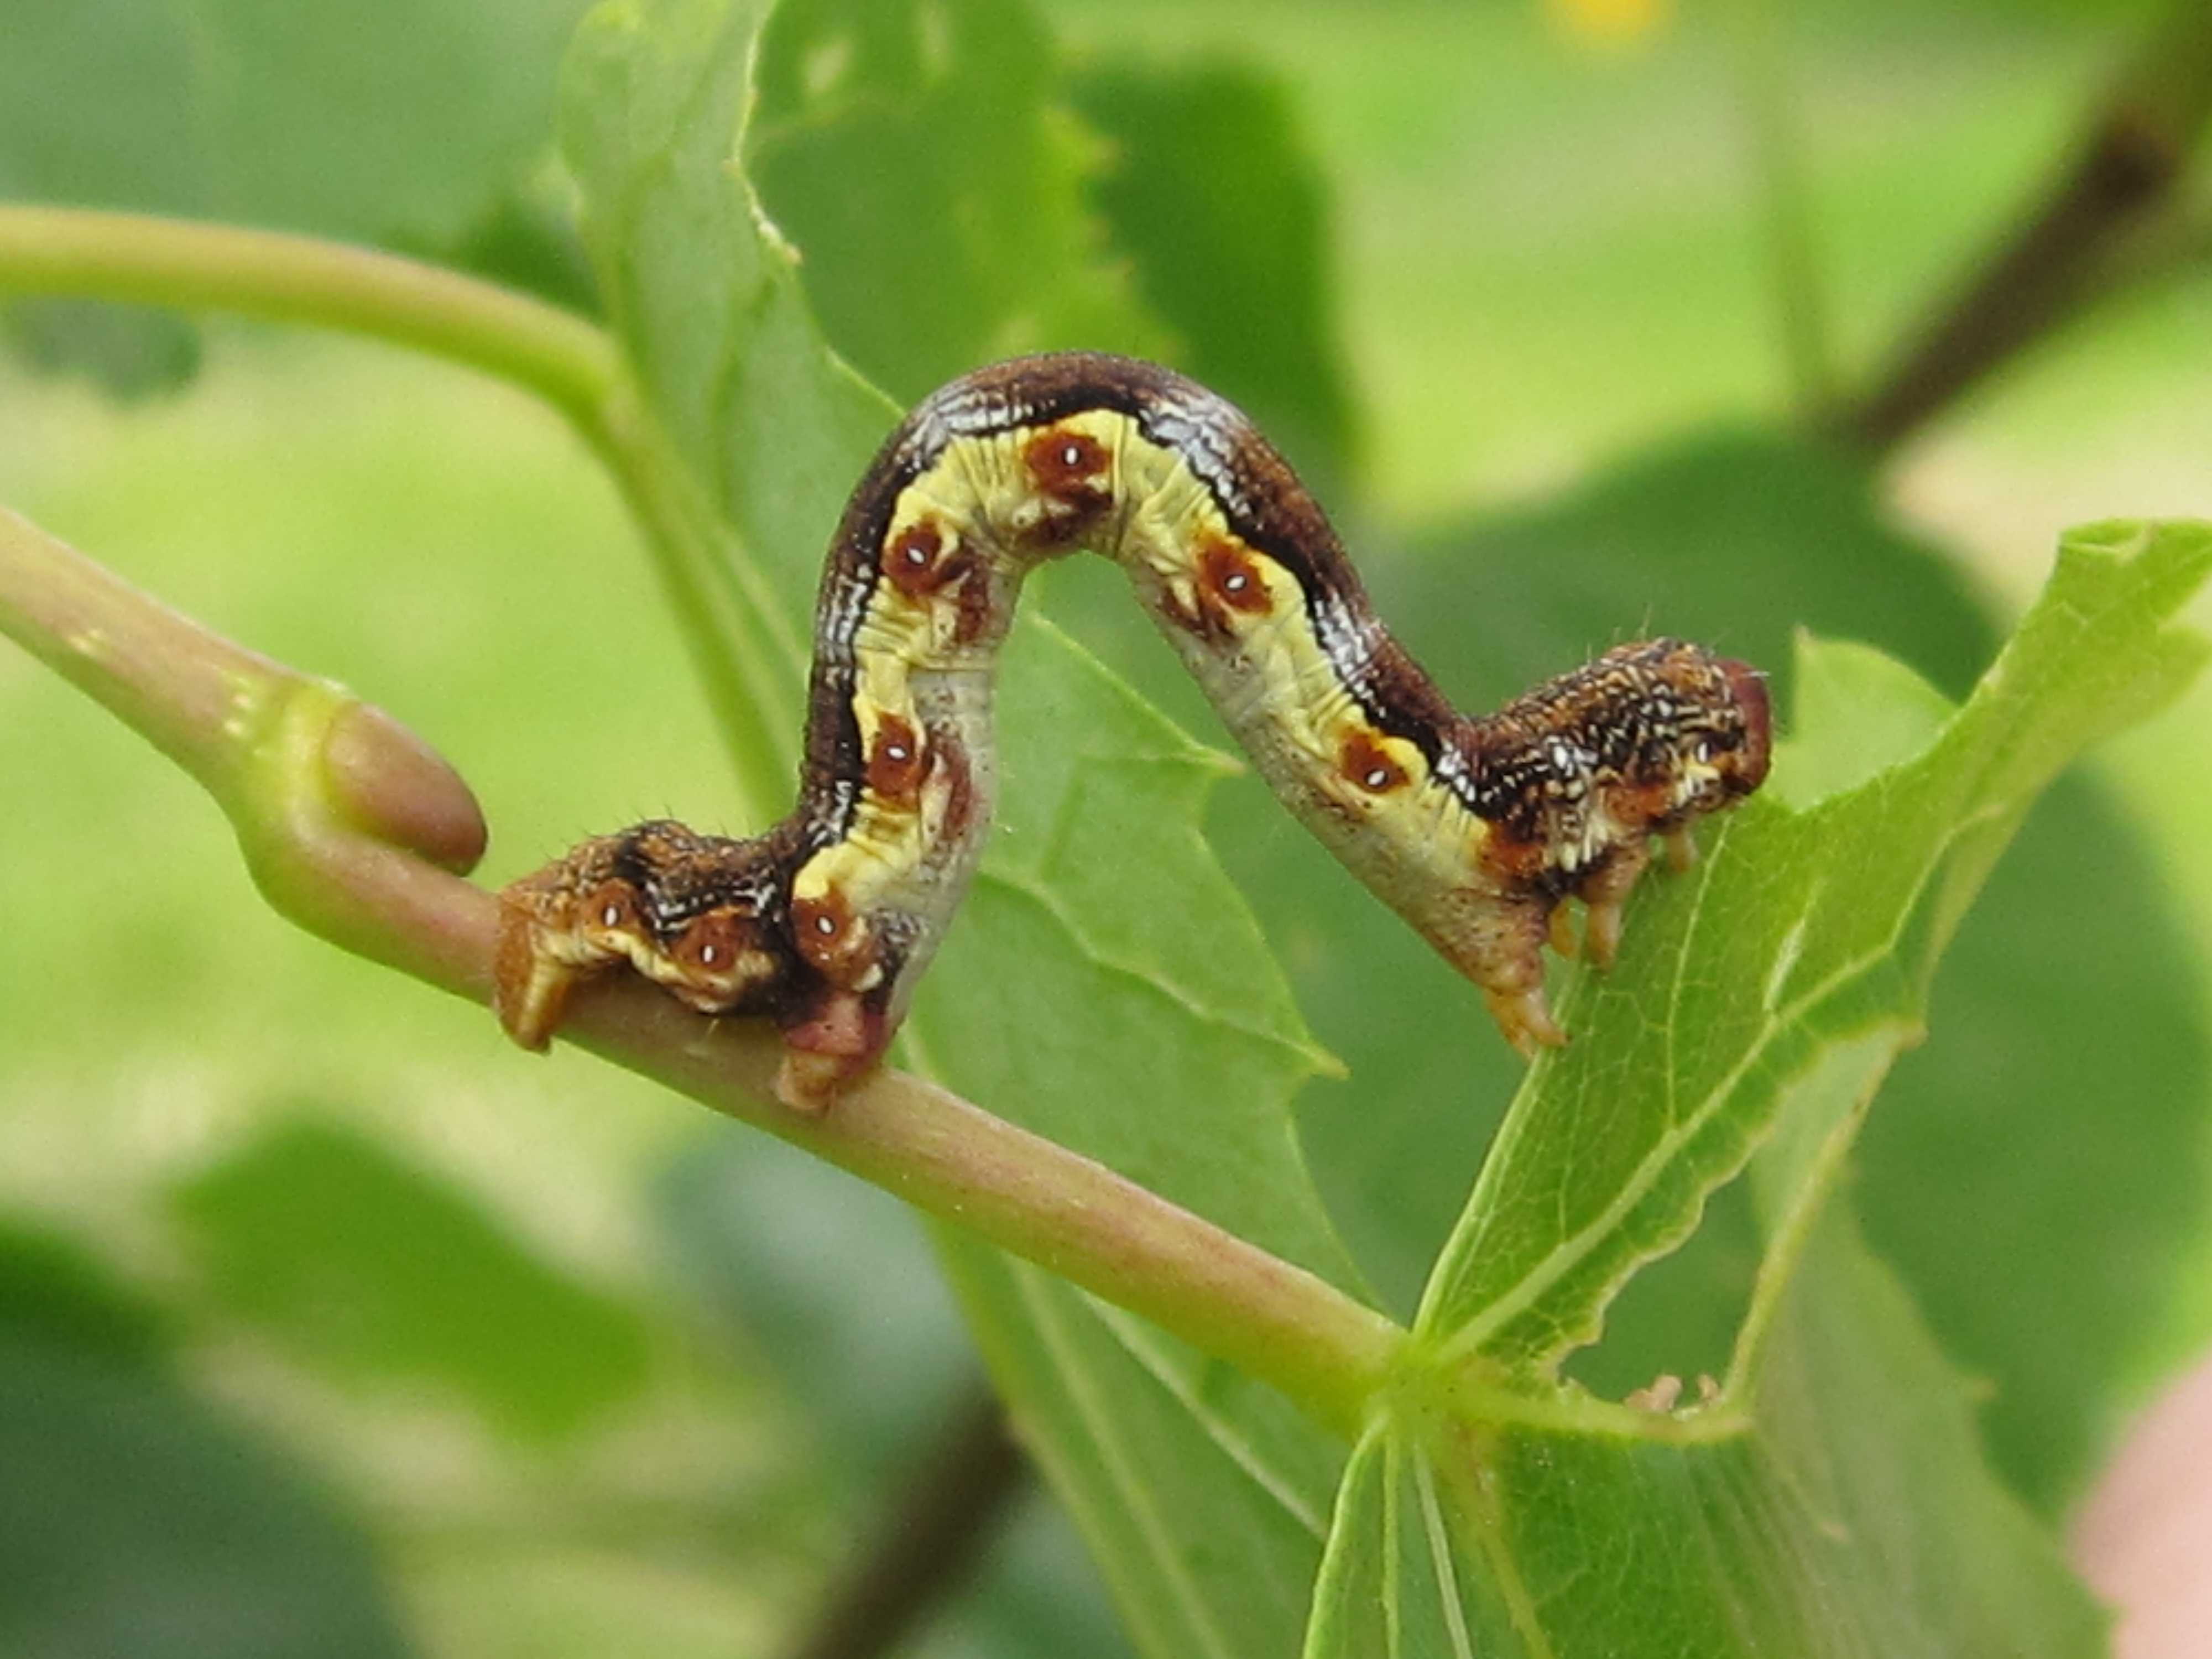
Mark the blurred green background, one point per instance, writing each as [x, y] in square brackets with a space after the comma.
[323, 1311]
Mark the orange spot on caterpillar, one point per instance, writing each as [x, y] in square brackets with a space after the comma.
[1064, 464]
[1230, 577]
[610, 907]
[831, 940]
[1068, 468]
[710, 943]
[717, 964]
[1368, 764]
[911, 559]
[923, 561]
[897, 762]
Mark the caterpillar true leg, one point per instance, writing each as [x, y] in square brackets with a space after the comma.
[1472, 828]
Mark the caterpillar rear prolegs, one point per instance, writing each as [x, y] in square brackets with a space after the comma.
[1474, 828]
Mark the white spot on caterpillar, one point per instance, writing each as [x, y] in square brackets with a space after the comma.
[825, 926]
[610, 917]
[1377, 778]
[709, 954]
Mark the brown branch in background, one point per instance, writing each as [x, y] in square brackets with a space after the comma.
[2139, 146]
[928, 1538]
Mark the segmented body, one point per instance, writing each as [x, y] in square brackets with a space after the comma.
[1474, 828]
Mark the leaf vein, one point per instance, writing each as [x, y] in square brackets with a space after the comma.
[1101, 1423]
[1136, 1336]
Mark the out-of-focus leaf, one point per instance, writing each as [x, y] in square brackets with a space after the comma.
[1211, 191]
[2035, 1167]
[1035, 1592]
[1867, 710]
[834, 1283]
[136, 1524]
[920, 156]
[53, 1289]
[397, 120]
[526, 238]
[365, 1268]
[128, 351]
[404, 122]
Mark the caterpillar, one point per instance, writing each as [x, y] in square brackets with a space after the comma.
[1474, 828]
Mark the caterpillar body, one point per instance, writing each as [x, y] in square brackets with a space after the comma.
[1474, 829]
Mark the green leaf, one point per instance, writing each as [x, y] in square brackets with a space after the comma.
[53, 1289]
[1106, 984]
[2068, 1070]
[1814, 927]
[1211, 191]
[1852, 1516]
[1203, 1497]
[134, 1520]
[368, 1269]
[920, 157]
[400, 121]
[2073, 979]
[1831, 1496]
[1857, 711]
[128, 351]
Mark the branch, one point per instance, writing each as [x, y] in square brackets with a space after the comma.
[2135, 154]
[350, 825]
[926, 1540]
[564, 359]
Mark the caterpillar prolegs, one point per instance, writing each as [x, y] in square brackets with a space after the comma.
[1474, 828]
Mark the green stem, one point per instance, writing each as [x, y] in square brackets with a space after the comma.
[339, 809]
[563, 358]
[145, 260]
